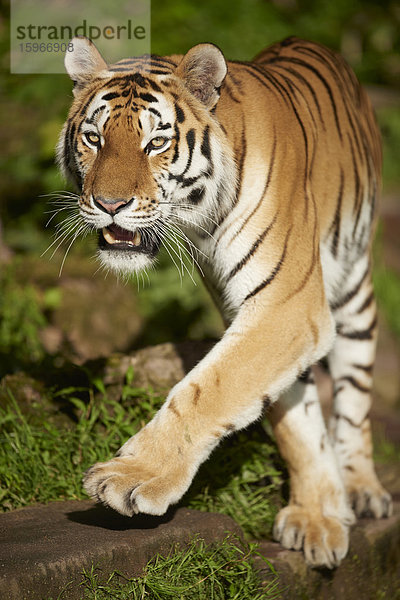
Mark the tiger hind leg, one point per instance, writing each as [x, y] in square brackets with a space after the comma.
[318, 516]
[351, 363]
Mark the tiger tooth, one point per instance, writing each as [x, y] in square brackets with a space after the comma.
[137, 238]
[110, 239]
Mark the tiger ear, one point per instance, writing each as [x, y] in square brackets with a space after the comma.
[203, 69]
[84, 61]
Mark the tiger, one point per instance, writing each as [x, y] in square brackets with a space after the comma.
[271, 170]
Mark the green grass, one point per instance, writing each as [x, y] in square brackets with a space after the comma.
[200, 572]
[42, 460]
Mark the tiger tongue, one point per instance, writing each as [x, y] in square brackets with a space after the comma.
[115, 234]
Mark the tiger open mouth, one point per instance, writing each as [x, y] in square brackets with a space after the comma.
[116, 238]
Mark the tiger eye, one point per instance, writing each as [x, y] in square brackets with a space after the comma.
[158, 142]
[92, 138]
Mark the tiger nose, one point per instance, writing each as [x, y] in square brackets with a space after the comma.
[110, 206]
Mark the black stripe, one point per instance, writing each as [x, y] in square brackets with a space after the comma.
[96, 112]
[268, 181]
[189, 180]
[259, 79]
[196, 195]
[354, 130]
[356, 384]
[228, 90]
[252, 250]
[67, 156]
[180, 115]
[240, 162]
[83, 111]
[349, 421]
[365, 334]
[148, 97]
[154, 111]
[176, 150]
[185, 182]
[140, 80]
[205, 144]
[110, 96]
[190, 140]
[154, 85]
[357, 183]
[365, 368]
[165, 126]
[367, 303]
[286, 96]
[337, 219]
[350, 295]
[274, 272]
[302, 63]
[304, 81]
[274, 84]
[294, 89]
[156, 59]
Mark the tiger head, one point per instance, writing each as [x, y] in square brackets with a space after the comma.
[145, 149]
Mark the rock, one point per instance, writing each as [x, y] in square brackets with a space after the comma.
[370, 571]
[29, 395]
[44, 548]
[89, 316]
[159, 367]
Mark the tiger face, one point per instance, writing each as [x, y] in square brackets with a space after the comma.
[142, 145]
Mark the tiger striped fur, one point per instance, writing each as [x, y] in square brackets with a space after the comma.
[271, 169]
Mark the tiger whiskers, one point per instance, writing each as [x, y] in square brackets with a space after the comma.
[184, 248]
[188, 245]
[70, 228]
[166, 234]
[63, 200]
[82, 229]
[186, 221]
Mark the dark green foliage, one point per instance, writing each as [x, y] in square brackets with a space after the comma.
[21, 318]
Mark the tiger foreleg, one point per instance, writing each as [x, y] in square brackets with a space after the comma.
[226, 391]
[155, 467]
[318, 516]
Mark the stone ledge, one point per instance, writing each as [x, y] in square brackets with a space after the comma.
[44, 548]
[371, 570]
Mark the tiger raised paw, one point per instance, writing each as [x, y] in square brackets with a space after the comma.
[269, 172]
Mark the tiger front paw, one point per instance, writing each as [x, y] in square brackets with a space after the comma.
[129, 487]
[324, 540]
